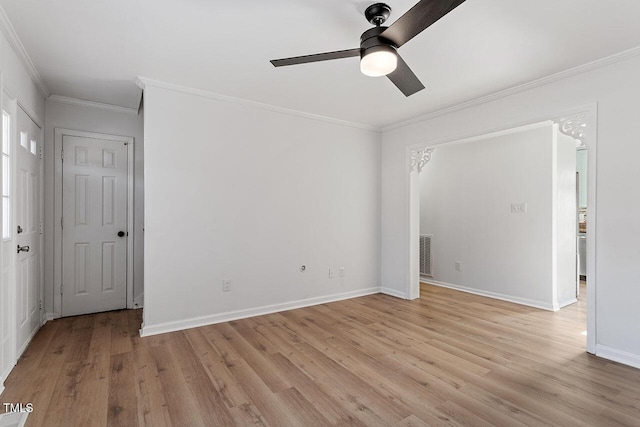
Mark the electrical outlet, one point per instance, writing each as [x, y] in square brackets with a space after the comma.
[341, 272]
[518, 208]
[226, 285]
[458, 265]
[332, 274]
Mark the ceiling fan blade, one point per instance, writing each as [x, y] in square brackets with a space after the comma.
[404, 79]
[417, 19]
[316, 57]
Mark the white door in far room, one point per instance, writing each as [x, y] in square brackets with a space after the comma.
[94, 225]
[28, 228]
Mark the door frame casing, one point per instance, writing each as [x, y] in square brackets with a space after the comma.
[57, 238]
[412, 202]
[7, 94]
[14, 106]
[10, 316]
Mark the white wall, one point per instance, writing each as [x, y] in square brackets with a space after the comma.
[18, 83]
[466, 195]
[614, 88]
[100, 120]
[236, 192]
[565, 208]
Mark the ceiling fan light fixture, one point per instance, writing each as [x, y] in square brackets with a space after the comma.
[378, 61]
[378, 45]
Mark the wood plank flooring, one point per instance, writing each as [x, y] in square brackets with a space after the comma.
[447, 359]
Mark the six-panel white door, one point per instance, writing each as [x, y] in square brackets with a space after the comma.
[94, 225]
[28, 229]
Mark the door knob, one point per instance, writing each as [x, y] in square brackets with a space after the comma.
[121, 233]
[23, 248]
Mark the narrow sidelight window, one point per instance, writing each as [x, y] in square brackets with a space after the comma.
[6, 175]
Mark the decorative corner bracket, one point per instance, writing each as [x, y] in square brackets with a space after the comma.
[574, 126]
[419, 158]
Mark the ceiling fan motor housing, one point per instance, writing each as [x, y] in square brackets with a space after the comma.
[370, 42]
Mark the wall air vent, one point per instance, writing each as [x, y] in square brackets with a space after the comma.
[426, 255]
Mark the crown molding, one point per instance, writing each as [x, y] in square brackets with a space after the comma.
[599, 63]
[92, 104]
[14, 41]
[143, 82]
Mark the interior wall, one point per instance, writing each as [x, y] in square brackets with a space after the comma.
[99, 120]
[565, 207]
[18, 82]
[466, 193]
[614, 88]
[236, 192]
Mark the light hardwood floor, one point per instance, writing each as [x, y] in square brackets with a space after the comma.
[449, 358]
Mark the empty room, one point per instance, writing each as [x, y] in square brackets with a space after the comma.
[303, 213]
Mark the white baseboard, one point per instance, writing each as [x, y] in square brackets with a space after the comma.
[14, 419]
[568, 302]
[195, 322]
[26, 344]
[619, 356]
[510, 298]
[138, 302]
[51, 316]
[393, 293]
[3, 377]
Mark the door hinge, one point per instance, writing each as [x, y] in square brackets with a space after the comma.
[61, 222]
[40, 304]
[61, 285]
[41, 225]
[62, 154]
[40, 152]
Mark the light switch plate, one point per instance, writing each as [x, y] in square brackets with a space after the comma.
[518, 208]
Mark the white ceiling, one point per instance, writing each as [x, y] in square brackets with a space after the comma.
[95, 50]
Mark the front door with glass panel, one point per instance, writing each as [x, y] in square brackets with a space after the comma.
[28, 228]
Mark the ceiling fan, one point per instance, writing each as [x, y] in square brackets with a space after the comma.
[378, 45]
